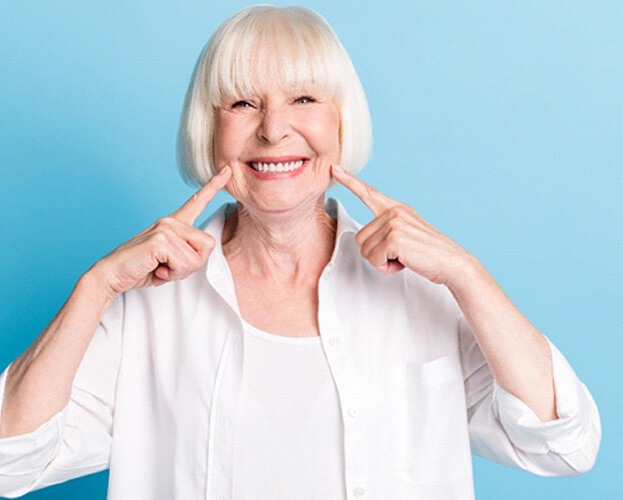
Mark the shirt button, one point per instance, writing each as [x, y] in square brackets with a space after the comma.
[352, 412]
[359, 491]
[334, 341]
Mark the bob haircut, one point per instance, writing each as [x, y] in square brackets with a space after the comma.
[267, 45]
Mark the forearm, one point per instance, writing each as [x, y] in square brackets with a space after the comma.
[518, 355]
[398, 237]
[39, 382]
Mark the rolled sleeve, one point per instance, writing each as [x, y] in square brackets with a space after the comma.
[77, 440]
[574, 436]
[23, 457]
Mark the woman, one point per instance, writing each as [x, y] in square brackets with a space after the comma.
[282, 351]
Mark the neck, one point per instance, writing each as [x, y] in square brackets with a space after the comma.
[292, 245]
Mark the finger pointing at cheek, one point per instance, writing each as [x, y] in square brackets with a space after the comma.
[169, 250]
[376, 201]
[190, 210]
[399, 237]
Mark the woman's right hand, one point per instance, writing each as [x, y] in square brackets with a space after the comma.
[39, 383]
[170, 249]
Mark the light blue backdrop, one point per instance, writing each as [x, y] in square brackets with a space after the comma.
[500, 122]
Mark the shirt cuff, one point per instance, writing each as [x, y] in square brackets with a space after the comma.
[27, 453]
[574, 405]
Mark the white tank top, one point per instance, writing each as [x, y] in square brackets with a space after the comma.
[288, 439]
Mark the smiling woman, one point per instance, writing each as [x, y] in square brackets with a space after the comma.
[269, 133]
[260, 48]
[282, 350]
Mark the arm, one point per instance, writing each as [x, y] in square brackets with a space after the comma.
[517, 354]
[525, 406]
[76, 440]
[504, 429]
[58, 397]
[39, 382]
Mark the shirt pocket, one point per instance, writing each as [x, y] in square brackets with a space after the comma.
[429, 422]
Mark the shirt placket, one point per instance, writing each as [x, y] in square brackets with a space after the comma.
[219, 477]
[351, 399]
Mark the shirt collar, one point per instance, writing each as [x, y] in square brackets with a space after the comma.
[345, 224]
[217, 270]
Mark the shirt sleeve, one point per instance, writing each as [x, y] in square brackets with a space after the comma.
[77, 440]
[504, 429]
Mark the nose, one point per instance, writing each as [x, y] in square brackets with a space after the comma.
[274, 126]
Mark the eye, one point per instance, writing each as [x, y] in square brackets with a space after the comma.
[305, 99]
[241, 104]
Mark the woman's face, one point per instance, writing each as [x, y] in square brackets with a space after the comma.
[280, 146]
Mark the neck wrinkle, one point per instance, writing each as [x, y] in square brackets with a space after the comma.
[293, 247]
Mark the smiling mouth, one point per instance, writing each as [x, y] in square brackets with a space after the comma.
[277, 167]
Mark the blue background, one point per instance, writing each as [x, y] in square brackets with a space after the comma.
[500, 122]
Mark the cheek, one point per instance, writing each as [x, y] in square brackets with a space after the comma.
[224, 145]
[227, 142]
[237, 186]
[326, 134]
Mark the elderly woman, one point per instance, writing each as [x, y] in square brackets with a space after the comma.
[283, 351]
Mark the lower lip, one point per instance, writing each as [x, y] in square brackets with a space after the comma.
[268, 176]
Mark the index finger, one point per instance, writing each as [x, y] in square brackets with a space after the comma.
[190, 210]
[372, 198]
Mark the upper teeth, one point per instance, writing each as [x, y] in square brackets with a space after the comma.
[276, 167]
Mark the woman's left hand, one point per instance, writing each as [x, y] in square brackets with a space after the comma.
[399, 237]
[518, 355]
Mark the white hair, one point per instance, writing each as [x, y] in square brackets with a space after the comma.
[288, 46]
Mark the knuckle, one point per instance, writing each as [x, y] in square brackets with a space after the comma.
[396, 211]
[206, 246]
[395, 223]
[364, 247]
[371, 248]
[198, 262]
[364, 252]
[159, 238]
[193, 264]
[395, 239]
[179, 271]
[376, 259]
[207, 238]
[206, 252]
[167, 223]
[369, 190]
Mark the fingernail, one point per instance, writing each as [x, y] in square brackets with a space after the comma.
[338, 169]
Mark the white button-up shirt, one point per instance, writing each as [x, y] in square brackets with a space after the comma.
[156, 395]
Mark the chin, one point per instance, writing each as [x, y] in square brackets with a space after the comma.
[283, 202]
[274, 196]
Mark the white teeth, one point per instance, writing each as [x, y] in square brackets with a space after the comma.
[277, 167]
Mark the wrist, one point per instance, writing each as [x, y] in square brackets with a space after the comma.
[468, 275]
[97, 281]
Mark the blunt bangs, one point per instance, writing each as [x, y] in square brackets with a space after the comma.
[283, 52]
[261, 47]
